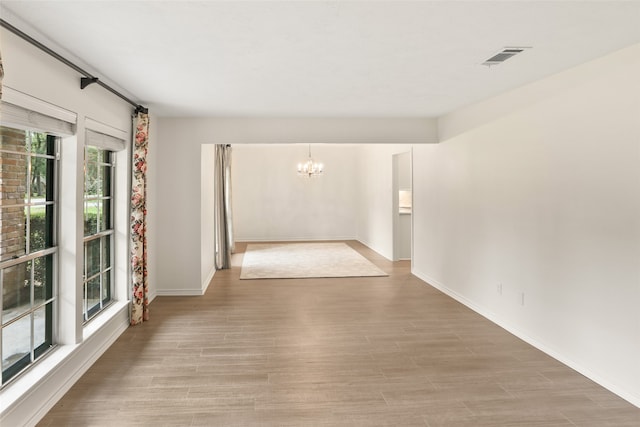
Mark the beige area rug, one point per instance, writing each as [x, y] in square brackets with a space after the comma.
[305, 260]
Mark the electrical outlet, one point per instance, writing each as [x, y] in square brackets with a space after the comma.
[521, 298]
[499, 288]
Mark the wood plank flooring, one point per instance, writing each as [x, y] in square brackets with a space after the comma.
[382, 351]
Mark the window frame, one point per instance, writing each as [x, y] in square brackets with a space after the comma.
[108, 234]
[49, 255]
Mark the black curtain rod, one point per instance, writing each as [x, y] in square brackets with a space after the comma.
[84, 81]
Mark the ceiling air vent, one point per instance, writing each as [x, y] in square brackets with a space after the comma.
[503, 55]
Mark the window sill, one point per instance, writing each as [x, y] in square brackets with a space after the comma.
[56, 372]
[34, 374]
[102, 318]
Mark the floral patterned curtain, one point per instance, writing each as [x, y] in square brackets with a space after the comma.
[1, 75]
[140, 301]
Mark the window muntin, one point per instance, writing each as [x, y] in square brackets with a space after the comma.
[98, 230]
[27, 247]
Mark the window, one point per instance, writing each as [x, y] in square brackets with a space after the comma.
[27, 247]
[98, 230]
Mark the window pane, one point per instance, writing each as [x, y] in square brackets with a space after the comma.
[106, 180]
[106, 252]
[92, 173]
[49, 178]
[45, 340]
[106, 158]
[38, 186]
[92, 154]
[13, 172]
[37, 230]
[42, 279]
[39, 327]
[12, 139]
[87, 224]
[41, 185]
[12, 239]
[91, 217]
[93, 295]
[106, 286]
[92, 257]
[49, 227]
[16, 292]
[39, 143]
[21, 180]
[105, 215]
[16, 342]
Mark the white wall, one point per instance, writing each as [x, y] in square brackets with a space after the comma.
[177, 193]
[178, 199]
[376, 196]
[152, 210]
[544, 200]
[271, 202]
[404, 170]
[207, 215]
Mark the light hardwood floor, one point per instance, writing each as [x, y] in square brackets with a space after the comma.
[318, 352]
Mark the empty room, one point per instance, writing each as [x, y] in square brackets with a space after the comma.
[314, 213]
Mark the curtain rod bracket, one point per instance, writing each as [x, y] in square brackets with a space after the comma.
[141, 109]
[86, 81]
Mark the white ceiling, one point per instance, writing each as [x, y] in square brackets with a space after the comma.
[324, 59]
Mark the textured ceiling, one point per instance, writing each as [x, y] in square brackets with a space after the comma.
[324, 59]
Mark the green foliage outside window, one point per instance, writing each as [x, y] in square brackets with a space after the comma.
[38, 236]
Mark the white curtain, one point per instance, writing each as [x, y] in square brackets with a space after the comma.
[222, 206]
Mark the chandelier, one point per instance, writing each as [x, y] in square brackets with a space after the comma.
[310, 168]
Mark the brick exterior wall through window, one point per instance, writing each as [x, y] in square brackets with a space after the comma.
[13, 180]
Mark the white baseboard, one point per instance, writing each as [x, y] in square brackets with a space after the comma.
[26, 401]
[292, 239]
[207, 281]
[504, 324]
